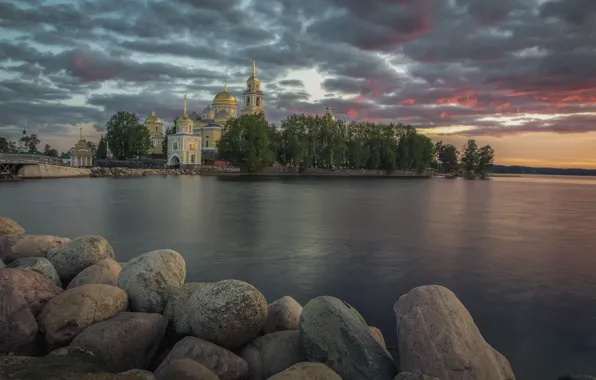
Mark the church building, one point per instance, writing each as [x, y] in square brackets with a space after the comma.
[155, 127]
[208, 125]
[184, 147]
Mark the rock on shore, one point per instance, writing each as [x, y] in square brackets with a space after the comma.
[10, 227]
[334, 333]
[437, 336]
[148, 279]
[14, 247]
[79, 254]
[229, 313]
[142, 316]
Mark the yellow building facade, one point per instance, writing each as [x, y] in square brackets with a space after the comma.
[208, 124]
[155, 127]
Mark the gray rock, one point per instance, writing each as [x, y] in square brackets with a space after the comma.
[229, 313]
[437, 336]
[272, 353]
[141, 374]
[2, 265]
[186, 369]
[149, 278]
[177, 307]
[225, 364]
[40, 265]
[308, 371]
[411, 376]
[576, 377]
[69, 313]
[378, 335]
[334, 333]
[14, 247]
[32, 286]
[79, 254]
[283, 314]
[18, 327]
[105, 271]
[124, 342]
[10, 227]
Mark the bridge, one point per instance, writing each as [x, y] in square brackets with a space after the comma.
[11, 163]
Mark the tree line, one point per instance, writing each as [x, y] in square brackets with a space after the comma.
[304, 142]
[300, 141]
[471, 162]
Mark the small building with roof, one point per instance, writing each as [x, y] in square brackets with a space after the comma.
[81, 155]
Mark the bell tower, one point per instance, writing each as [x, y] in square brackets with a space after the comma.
[253, 96]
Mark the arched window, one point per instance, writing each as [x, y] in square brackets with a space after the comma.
[249, 87]
[248, 100]
[258, 102]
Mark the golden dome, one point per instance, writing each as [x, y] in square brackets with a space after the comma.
[153, 119]
[224, 97]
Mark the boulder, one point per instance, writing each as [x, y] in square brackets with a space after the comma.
[378, 335]
[411, 376]
[437, 336]
[32, 286]
[334, 333]
[67, 367]
[177, 308]
[223, 363]
[229, 313]
[186, 369]
[141, 374]
[69, 313]
[10, 227]
[308, 371]
[18, 327]
[105, 271]
[40, 265]
[149, 278]
[14, 247]
[283, 314]
[272, 353]
[79, 254]
[124, 342]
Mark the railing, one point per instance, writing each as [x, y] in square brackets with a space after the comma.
[27, 158]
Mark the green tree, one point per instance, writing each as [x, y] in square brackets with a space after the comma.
[447, 156]
[139, 141]
[126, 137]
[486, 158]
[7, 146]
[31, 142]
[49, 151]
[245, 142]
[102, 149]
[470, 157]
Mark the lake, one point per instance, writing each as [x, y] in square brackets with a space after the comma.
[520, 252]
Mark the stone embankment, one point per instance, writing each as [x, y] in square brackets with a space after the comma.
[127, 172]
[69, 310]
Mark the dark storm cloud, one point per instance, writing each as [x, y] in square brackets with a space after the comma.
[434, 63]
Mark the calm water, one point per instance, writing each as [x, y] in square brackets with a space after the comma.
[519, 252]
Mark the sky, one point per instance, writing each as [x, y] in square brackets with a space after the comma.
[519, 75]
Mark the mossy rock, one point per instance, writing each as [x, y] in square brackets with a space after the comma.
[70, 367]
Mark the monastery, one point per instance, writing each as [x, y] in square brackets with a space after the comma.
[197, 134]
